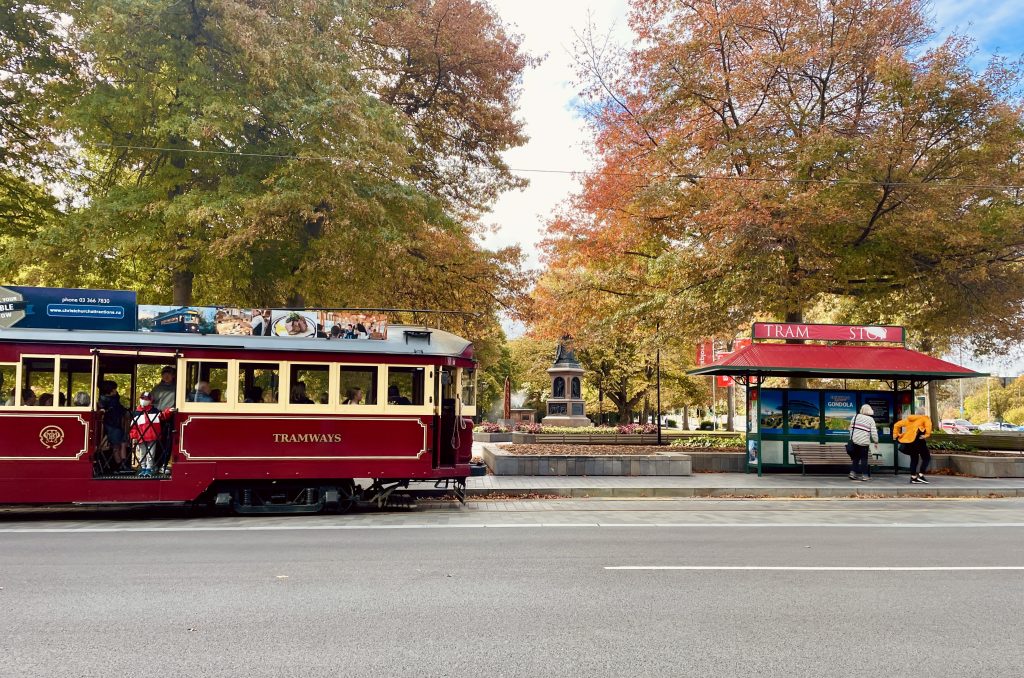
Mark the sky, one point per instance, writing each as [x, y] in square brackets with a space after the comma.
[559, 140]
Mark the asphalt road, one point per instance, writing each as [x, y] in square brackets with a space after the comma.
[520, 589]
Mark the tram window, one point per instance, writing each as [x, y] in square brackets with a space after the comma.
[358, 385]
[205, 380]
[259, 383]
[405, 385]
[309, 385]
[469, 387]
[8, 384]
[37, 381]
[75, 382]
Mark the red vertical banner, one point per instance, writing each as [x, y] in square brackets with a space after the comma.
[705, 352]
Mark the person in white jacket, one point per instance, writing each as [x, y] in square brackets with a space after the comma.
[863, 433]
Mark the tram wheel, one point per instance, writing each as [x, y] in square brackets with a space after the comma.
[348, 496]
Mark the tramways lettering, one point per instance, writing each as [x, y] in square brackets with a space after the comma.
[307, 437]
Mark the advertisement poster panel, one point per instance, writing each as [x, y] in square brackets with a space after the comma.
[772, 420]
[882, 405]
[62, 308]
[263, 322]
[804, 413]
[840, 407]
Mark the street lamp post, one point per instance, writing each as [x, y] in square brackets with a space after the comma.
[657, 363]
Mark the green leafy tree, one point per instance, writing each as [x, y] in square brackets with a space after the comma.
[37, 79]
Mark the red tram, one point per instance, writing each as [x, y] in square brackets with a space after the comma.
[261, 424]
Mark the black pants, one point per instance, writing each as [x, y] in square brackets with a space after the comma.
[919, 454]
[859, 457]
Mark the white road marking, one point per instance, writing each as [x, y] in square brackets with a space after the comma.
[464, 526]
[813, 568]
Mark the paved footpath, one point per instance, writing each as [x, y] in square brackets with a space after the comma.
[744, 485]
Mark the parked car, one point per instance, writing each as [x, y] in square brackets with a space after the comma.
[966, 424]
[950, 426]
[999, 426]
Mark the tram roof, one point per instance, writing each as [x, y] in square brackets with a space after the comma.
[402, 340]
[822, 361]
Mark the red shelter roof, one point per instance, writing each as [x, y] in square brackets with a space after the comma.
[816, 360]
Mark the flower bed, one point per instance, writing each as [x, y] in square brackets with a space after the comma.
[579, 450]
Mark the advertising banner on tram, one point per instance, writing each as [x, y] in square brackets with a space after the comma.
[265, 322]
[66, 308]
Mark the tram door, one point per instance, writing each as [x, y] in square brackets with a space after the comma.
[447, 443]
[133, 374]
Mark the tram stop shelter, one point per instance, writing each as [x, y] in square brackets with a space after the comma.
[779, 417]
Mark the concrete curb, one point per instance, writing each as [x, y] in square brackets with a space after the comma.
[752, 493]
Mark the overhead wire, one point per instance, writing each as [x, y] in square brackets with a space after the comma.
[537, 170]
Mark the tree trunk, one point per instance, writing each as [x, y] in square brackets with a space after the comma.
[933, 389]
[933, 404]
[181, 287]
[296, 300]
[730, 424]
[686, 417]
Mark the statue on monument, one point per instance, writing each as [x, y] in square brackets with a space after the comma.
[566, 406]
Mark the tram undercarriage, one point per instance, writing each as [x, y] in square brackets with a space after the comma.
[277, 497]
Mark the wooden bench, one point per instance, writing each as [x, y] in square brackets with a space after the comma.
[825, 454]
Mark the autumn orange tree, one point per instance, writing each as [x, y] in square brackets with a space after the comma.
[767, 158]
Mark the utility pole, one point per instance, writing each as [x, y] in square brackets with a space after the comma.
[988, 397]
[657, 362]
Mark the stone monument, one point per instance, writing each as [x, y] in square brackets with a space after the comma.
[565, 404]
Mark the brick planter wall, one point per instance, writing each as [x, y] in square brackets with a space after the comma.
[662, 464]
[492, 437]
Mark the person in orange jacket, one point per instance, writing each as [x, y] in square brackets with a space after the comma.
[911, 432]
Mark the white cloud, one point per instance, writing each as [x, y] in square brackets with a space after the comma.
[558, 139]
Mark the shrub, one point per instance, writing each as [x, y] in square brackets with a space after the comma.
[671, 423]
[529, 428]
[492, 427]
[634, 429]
[729, 442]
[954, 445]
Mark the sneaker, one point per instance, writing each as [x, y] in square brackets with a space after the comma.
[865, 478]
[853, 476]
[145, 473]
[915, 480]
[921, 479]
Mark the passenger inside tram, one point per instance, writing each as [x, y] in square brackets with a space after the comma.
[354, 396]
[114, 415]
[46, 400]
[202, 393]
[253, 394]
[395, 396]
[298, 395]
[28, 397]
